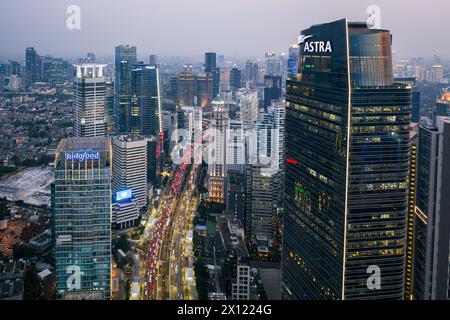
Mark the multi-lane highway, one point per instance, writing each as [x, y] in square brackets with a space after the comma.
[167, 236]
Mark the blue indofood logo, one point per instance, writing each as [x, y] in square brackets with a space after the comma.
[314, 46]
[82, 156]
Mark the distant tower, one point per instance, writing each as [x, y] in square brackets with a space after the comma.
[31, 66]
[90, 101]
[153, 60]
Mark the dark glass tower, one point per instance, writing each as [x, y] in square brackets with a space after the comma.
[125, 58]
[31, 66]
[211, 67]
[347, 153]
[145, 100]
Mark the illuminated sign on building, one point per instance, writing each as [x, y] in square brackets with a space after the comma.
[82, 156]
[314, 46]
[123, 195]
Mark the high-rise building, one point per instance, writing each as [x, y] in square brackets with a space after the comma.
[273, 66]
[81, 218]
[347, 155]
[235, 79]
[443, 104]
[205, 89]
[146, 113]
[272, 89]
[264, 173]
[186, 89]
[153, 60]
[125, 59]
[211, 67]
[236, 147]
[90, 101]
[217, 151]
[31, 66]
[412, 184]
[210, 62]
[431, 280]
[293, 61]
[129, 169]
[249, 108]
[415, 108]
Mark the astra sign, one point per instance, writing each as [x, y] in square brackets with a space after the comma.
[314, 46]
[82, 156]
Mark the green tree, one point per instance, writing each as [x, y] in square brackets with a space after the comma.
[4, 209]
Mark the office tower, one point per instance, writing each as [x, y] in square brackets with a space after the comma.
[186, 89]
[153, 161]
[81, 218]
[211, 67]
[236, 147]
[443, 104]
[347, 155]
[192, 123]
[13, 68]
[224, 81]
[170, 124]
[273, 67]
[235, 79]
[146, 117]
[125, 59]
[13, 83]
[265, 174]
[261, 203]
[31, 67]
[2, 69]
[216, 155]
[293, 61]
[210, 62]
[412, 184]
[205, 89]
[130, 167]
[272, 89]
[235, 199]
[249, 108]
[432, 221]
[437, 74]
[90, 100]
[153, 60]
[415, 107]
[110, 105]
[54, 70]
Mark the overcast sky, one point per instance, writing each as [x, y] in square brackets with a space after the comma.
[191, 27]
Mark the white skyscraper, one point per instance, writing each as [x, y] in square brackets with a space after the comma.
[129, 176]
[90, 100]
[248, 104]
[236, 147]
[217, 150]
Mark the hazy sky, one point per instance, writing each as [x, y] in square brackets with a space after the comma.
[191, 27]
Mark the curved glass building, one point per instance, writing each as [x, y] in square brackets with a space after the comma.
[347, 155]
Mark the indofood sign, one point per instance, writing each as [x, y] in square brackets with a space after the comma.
[315, 46]
[82, 156]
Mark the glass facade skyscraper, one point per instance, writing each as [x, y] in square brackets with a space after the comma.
[146, 116]
[347, 154]
[125, 59]
[81, 218]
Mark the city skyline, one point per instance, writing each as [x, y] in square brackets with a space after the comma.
[263, 26]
